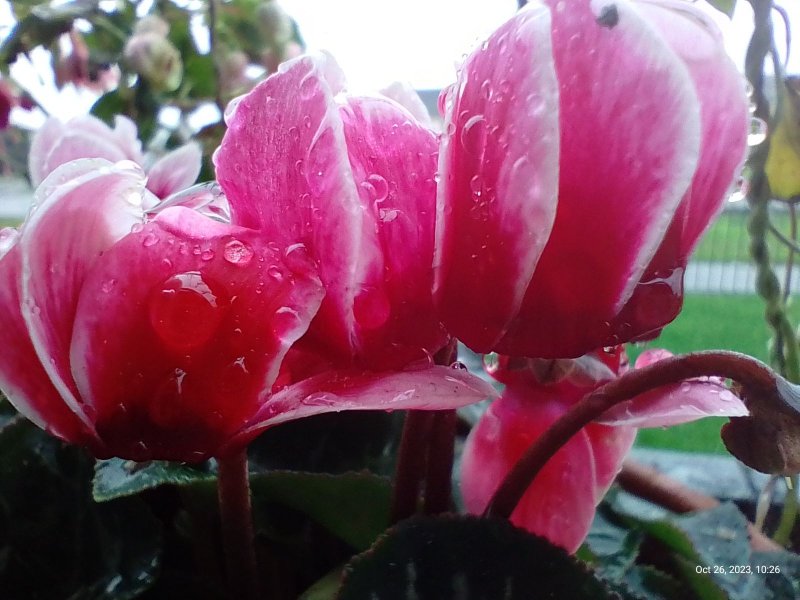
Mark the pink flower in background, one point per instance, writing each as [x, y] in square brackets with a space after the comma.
[57, 143]
[560, 504]
[586, 147]
[349, 182]
[160, 334]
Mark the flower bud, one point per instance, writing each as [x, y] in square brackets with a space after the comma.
[153, 57]
[275, 23]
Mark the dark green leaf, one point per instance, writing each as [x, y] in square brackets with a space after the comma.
[778, 574]
[57, 542]
[115, 478]
[352, 506]
[649, 583]
[198, 76]
[467, 557]
[108, 105]
[610, 548]
[42, 25]
[714, 540]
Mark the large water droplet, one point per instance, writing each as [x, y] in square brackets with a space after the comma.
[298, 259]
[186, 310]
[238, 253]
[151, 239]
[473, 135]
[379, 186]
[758, 131]
[205, 198]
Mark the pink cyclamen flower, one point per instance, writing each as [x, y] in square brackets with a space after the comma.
[560, 504]
[587, 145]
[349, 181]
[56, 143]
[159, 334]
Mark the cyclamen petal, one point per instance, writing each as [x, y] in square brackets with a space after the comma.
[630, 138]
[431, 388]
[497, 193]
[350, 181]
[179, 330]
[22, 377]
[175, 170]
[675, 404]
[78, 220]
[283, 165]
[560, 504]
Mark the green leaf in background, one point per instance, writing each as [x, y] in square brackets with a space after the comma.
[352, 506]
[42, 25]
[467, 557]
[116, 478]
[726, 6]
[55, 541]
[107, 106]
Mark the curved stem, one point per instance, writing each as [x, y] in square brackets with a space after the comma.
[751, 373]
[440, 463]
[237, 527]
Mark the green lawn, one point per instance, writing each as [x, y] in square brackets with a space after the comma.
[727, 239]
[708, 322]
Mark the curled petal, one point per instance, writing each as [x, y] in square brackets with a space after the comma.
[22, 377]
[393, 161]
[407, 97]
[657, 298]
[560, 504]
[630, 140]
[85, 207]
[431, 388]
[499, 165]
[180, 331]
[284, 167]
[175, 171]
[675, 404]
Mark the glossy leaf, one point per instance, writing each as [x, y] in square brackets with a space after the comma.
[466, 557]
[115, 477]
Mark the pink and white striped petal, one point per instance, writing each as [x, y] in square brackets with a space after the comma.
[22, 377]
[180, 330]
[88, 206]
[560, 504]
[175, 170]
[284, 167]
[630, 140]
[393, 160]
[41, 144]
[499, 164]
[430, 388]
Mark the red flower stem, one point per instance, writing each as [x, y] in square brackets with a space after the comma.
[425, 435]
[441, 452]
[411, 458]
[650, 484]
[237, 527]
[751, 373]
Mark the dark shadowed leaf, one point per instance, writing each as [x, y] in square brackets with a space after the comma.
[352, 506]
[56, 542]
[115, 478]
[467, 557]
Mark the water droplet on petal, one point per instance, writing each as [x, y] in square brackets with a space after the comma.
[758, 131]
[473, 135]
[151, 239]
[275, 273]
[108, 285]
[137, 227]
[238, 253]
[380, 187]
[298, 259]
[207, 255]
[186, 309]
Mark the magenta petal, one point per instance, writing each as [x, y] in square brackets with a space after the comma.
[675, 404]
[175, 171]
[41, 144]
[560, 504]
[22, 377]
[84, 208]
[393, 161]
[407, 97]
[180, 329]
[284, 167]
[630, 138]
[499, 164]
[431, 388]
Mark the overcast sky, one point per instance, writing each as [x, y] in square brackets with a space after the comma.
[380, 41]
